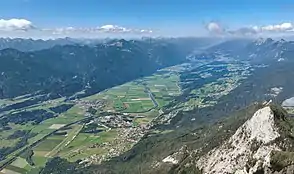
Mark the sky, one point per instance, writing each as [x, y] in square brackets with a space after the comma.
[137, 18]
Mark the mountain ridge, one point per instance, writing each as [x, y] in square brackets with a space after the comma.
[77, 66]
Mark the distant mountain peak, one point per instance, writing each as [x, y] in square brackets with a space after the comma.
[262, 41]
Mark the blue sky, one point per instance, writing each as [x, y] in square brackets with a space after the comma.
[163, 17]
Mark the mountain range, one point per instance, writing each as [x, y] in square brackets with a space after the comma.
[64, 70]
[33, 45]
[256, 51]
[247, 131]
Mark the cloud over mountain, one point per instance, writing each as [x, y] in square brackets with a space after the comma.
[12, 28]
[283, 28]
[15, 24]
[215, 28]
[101, 29]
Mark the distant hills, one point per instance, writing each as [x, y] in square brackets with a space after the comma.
[65, 66]
[32, 45]
[256, 51]
[25, 45]
[66, 69]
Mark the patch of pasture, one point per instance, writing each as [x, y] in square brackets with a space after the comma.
[36, 138]
[40, 153]
[56, 126]
[48, 144]
[135, 107]
[39, 161]
[19, 162]
[16, 169]
[65, 141]
[10, 169]
[140, 99]
[80, 146]
[7, 171]
[7, 143]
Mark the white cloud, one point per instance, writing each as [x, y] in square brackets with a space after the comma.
[108, 27]
[103, 29]
[146, 31]
[15, 24]
[114, 28]
[57, 31]
[11, 28]
[215, 28]
[282, 28]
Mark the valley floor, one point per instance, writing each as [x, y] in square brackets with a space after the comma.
[102, 126]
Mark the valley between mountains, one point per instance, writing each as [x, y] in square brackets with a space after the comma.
[185, 105]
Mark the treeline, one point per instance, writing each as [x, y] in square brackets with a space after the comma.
[17, 134]
[91, 128]
[27, 155]
[21, 143]
[58, 165]
[61, 108]
[29, 102]
[34, 116]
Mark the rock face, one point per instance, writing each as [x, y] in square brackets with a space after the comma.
[176, 157]
[289, 102]
[248, 150]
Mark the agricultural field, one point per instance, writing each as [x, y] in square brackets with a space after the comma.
[47, 148]
[135, 100]
[134, 97]
[130, 97]
[141, 99]
[20, 165]
[11, 138]
[87, 144]
[164, 86]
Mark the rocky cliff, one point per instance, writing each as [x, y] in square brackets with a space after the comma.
[254, 148]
